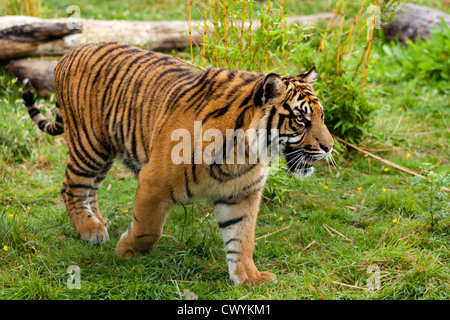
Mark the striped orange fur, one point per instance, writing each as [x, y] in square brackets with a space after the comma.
[115, 101]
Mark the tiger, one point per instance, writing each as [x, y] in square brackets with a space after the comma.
[117, 101]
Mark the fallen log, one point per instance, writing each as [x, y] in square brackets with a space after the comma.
[156, 35]
[38, 72]
[34, 39]
[413, 21]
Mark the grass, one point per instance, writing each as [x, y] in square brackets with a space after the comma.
[318, 235]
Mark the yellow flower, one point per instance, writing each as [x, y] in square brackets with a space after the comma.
[5, 248]
[11, 215]
[386, 169]
[394, 221]
[359, 188]
[325, 187]
[125, 211]
[408, 155]
[17, 100]
[281, 218]
[13, 81]
[20, 89]
[384, 189]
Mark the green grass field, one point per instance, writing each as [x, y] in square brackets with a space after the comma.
[320, 236]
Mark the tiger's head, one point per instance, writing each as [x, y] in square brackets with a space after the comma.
[291, 106]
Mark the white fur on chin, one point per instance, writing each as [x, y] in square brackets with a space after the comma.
[303, 172]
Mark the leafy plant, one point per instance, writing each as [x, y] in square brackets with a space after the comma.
[423, 60]
[244, 35]
[434, 200]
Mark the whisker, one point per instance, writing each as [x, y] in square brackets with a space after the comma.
[301, 162]
[328, 162]
[334, 162]
[295, 151]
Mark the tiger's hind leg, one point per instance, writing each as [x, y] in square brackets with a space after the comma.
[237, 222]
[97, 183]
[79, 191]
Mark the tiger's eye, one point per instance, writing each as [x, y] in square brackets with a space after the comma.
[299, 118]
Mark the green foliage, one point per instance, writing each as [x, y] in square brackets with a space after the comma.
[433, 199]
[261, 40]
[349, 109]
[15, 137]
[425, 60]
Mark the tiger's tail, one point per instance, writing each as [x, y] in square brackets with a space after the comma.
[53, 128]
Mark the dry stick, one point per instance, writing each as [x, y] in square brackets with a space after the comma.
[332, 34]
[322, 43]
[250, 46]
[392, 164]
[269, 234]
[204, 34]
[225, 42]
[190, 31]
[191, 64]
[283, 31]
[360, 61]
[350, 286]
[337, 232]
[366, 61]
[339, 39]
[328, 230]
[347, 42]
[353, 43]
[267, 39]
[241, 38]
[309, 245]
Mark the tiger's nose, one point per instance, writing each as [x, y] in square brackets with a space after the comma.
[326, 148]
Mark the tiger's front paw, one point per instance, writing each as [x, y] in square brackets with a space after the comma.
[260, 279]
[251, 276]
[95, 235]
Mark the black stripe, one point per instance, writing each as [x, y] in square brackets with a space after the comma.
[269, 123]
[194, 172]
[255, 182]
[240, 119]
[80, 173]
[42, 124]
[231, 240]
[230, 222]
[186, 181]
[217, 113]
[83, 155]
[227, 202]
[281, 118]
[146, 235]
[81, 186]
[34, 112]
[172, 196]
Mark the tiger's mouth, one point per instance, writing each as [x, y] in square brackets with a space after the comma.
[299, 162]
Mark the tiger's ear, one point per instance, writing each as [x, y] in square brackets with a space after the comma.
[309, 76]
[269, 90]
